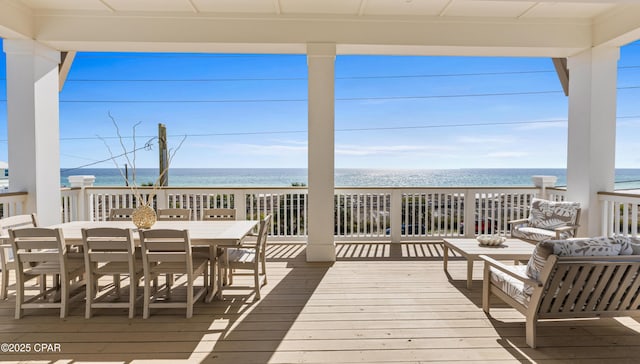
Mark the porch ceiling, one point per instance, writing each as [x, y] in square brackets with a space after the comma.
[553, 28]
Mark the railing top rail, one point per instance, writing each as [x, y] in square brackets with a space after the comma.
[9, 194]
[619, 194]
[456, 188]
[259, 188]
[194, 188]
[561, 189]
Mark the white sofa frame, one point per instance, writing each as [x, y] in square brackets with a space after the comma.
[584, 287]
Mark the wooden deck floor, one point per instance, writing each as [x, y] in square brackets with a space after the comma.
[379, 303]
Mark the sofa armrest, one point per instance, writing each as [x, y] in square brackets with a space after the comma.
[518, 221]
[506, 270]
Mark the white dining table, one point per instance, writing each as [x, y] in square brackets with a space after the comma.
[211, 233]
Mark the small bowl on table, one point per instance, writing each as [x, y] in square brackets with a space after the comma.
[491, 240]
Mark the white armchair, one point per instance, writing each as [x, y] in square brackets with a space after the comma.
[548, 220]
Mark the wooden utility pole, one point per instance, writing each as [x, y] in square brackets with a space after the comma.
[163, 157]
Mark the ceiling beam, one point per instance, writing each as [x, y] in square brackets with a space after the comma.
[616, 2]
[16, 20]
[362, 7]
[277, 6]
[563, 73]
[618, 27]
[66, 60]
[444, 10]
[202, 33]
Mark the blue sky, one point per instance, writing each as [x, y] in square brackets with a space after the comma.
[391, 112]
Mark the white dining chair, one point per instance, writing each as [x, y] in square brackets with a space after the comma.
[168, 252]
[43, 252]
[247, 257]
[110, 252]
[7, 262]
[216, 214]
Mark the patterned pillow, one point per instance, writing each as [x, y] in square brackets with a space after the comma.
[549, 215]
[634, 243]
[626, 247]
[588, 247]
[538, 259]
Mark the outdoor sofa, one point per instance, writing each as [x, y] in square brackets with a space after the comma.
[575, 278]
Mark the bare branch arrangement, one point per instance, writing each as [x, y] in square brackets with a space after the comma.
[141, 199]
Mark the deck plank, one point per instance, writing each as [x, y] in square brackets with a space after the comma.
[400, 308]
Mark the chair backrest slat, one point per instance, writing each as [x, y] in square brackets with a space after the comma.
[18, 222]
[100, 257]
[156, 257]
[108, 244]
[120, 214]
[220, 214]
[166, 245]
[37, 245]
[39, 256]
[15, 222]
[174, 214]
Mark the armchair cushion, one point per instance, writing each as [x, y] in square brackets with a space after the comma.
[538, 234]
[548, 215]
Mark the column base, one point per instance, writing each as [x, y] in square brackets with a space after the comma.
[321, 252]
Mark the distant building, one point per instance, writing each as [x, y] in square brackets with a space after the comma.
[4, 175]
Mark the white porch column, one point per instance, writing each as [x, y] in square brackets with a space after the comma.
[592, 131]
[321, 64]
[33, 126]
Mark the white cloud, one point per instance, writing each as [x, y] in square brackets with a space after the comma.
[484, 140]
[274, 149]
[628, 123]
[551, 123]
[507, 154]
[290, 141]
[360, 150]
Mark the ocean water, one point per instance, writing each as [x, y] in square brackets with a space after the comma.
[344, 177]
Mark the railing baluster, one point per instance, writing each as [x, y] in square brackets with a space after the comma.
[360, 213]
[634, 219]
[616, 218]
[370, 207]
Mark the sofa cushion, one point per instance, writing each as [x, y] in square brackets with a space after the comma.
[549, 215]
[515, 288]
[587, 247]
[538, 259]
[626, 247]
[599, 246]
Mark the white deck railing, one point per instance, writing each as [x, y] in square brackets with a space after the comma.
[13, 203]
[619, 213]
[361, 213]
